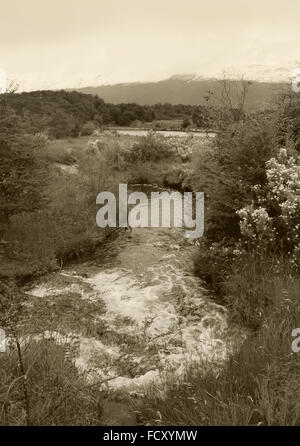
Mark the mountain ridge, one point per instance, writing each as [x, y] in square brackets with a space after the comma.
[183, 89]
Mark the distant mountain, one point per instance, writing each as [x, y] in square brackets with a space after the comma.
[183, 89]
[265, 73]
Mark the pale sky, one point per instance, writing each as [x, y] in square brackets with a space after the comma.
[55, 43]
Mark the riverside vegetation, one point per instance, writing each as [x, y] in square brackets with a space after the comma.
[248, 260]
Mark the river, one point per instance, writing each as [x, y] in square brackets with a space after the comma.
[138, 132]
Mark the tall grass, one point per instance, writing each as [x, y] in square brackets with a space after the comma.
[257, 285]
[55, 393]
[259, 384]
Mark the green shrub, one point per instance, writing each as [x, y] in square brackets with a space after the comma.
[228, 171]
[149, 148]
[88, 128]
[272, 222]
[212, 263]
[22, 174]
[58, 151]
[143, 173]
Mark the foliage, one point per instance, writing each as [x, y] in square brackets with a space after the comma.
[88, 128]
[22, 174]
[69, 113]
[289, 120]
[150, 148]
[272, 222]
[56, 394]
[228, 171]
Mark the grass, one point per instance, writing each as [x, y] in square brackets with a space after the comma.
[56, 394]
[259, 384]
[59, 152]
[257, 285]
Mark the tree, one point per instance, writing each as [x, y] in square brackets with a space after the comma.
[233, 94]
[186, 123]
[62, 124]
[88, 128]
[21, 174]
[228, 102]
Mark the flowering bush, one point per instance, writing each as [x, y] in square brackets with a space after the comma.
[273, 222]
[256, 225]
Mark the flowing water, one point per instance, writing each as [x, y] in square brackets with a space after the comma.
[179, 133]
[135, 312]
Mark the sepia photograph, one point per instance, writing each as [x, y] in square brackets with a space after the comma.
[149, 216]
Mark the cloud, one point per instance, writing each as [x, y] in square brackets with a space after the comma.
[44, 44]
